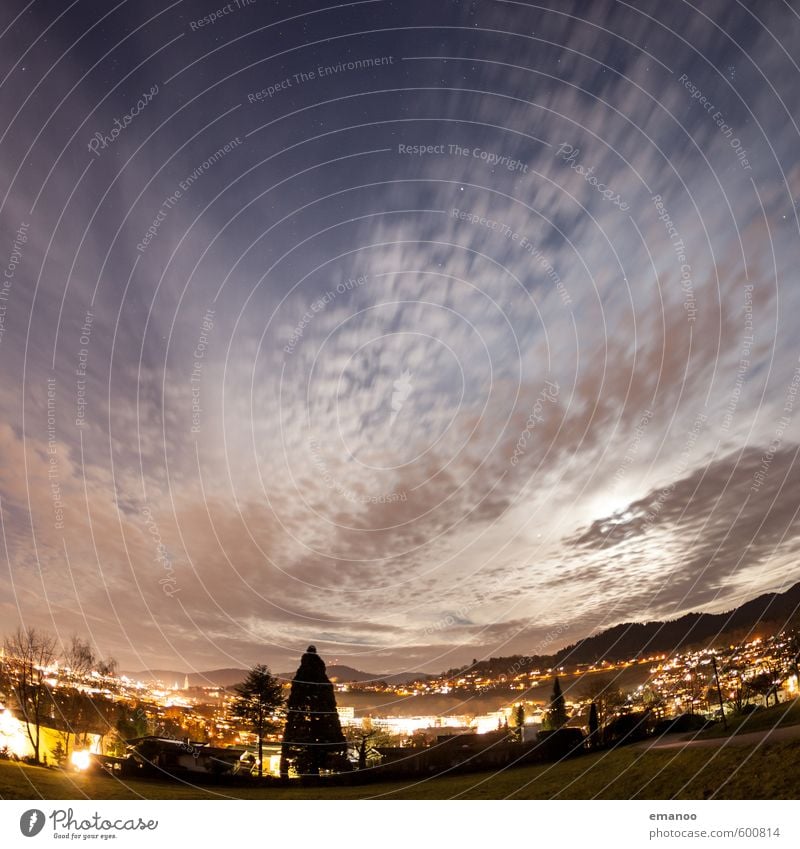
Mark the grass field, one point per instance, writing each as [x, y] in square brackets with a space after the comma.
[626, 773]
[778, 716]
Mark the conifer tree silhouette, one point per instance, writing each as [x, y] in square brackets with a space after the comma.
[557, 712]
[312, 738]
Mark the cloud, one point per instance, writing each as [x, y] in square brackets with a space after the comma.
[276, 479]
[713, 532]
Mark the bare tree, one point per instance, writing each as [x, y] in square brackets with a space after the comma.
[768, 682]
[107, 668]
[696, 687]
[365, 737]
[73, 703]
[779, 674]
[5, 674]
[762, 685]
[739, 691]
[30, 652]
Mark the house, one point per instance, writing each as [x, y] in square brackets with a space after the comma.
[15, 740]
[494, 749]
[170, 755]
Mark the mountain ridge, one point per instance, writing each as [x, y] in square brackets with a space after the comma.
[770, 611]
[668, 636]
[624, 641]
[231, 676]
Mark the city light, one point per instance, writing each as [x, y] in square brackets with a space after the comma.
[81, 759]
[12, 735]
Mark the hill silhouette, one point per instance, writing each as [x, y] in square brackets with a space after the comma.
[766, 614]
[770, 611]
[230, 677]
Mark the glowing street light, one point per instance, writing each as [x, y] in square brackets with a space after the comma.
[81, 759]
[12, 735]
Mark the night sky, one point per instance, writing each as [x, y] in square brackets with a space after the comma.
[422, 331]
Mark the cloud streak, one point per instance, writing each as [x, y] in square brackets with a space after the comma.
[313, 402]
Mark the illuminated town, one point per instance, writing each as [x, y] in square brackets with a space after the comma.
[117, 712]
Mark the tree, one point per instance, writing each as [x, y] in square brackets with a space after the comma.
[107, 668]
[768, 682]
[132, 722]
[78, 658]
[58, 753]
[313, 735]
[365, 737]
[739, 695]
[519, 722]
[73, 704]
[5, 674]
[594, 726]
[32, 652]
[259, 696]
[418, 739]
[696, 687]
[557, 711]
[628, 727]
[761, 684]
[607, 699]
[779, 674]
[794, 657]
[104, 713]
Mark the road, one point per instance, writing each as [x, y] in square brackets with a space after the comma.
[752, 738]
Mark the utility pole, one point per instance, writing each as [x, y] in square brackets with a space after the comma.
[719, 693]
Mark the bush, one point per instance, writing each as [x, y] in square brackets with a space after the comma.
[628, 728]
[681, 724]
[58, 753]
[559, 743]
[747, 709]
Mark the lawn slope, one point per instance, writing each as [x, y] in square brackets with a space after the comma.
[758, 772]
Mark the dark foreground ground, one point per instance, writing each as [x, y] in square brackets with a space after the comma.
[761, 771]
